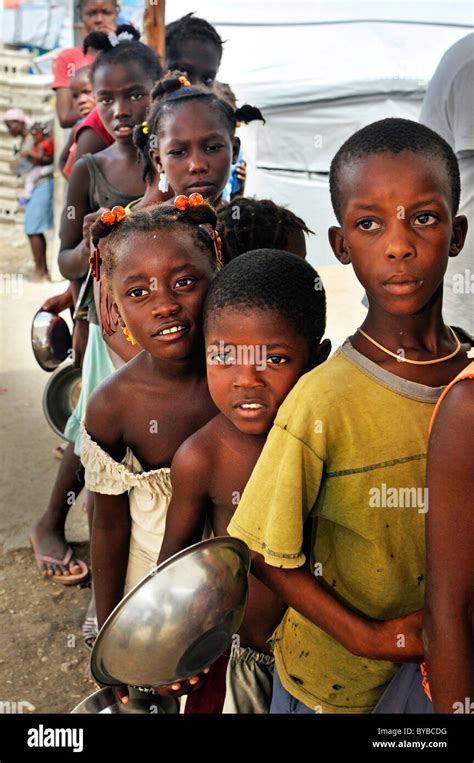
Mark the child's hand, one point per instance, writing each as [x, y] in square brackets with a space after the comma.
[183, 687]
[398, 640]
[58, 303]
[241, 172]
[87, 224]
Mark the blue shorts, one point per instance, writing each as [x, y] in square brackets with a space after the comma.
[39, 210]
[284, 702]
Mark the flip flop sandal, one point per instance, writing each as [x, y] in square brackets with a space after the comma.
[65, 579]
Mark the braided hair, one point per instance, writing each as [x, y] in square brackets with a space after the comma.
[122, 47]
[197, 222]
[247, 224]
[190, 27]
[170, 93]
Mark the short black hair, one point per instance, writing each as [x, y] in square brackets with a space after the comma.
[190, 27]
[394, 135]
[247, 224]
[270, 279]
[169, 93]
[127, 51]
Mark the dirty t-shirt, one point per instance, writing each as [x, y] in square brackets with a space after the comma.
[347, 450]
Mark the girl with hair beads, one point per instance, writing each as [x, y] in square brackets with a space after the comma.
[157, 266]
[122, 75]
[189, 139]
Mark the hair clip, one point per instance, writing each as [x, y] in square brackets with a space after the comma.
[182, 202]
[145, 128]
[115, 39]
[114, 215]
[184, 81]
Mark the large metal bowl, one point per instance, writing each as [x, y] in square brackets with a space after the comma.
[178, 620]
[60, 396]
[105, 702]
[50, 339]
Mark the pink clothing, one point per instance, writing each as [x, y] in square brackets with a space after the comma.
[67, 64]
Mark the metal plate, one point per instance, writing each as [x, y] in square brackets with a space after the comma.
[105, 702]
[178, 620]
[60, 396]
[50, 339]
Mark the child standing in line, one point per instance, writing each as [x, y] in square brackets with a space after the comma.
[189, 139]
[157, 264]
[448, 622]
[266, 303]
[355, 430]
[123, 76]
[84, 101]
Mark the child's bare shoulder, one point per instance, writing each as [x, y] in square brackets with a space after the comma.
[106, 407]
[196, 454]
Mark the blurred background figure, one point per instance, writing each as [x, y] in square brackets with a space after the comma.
[448, 109]
[34, 159]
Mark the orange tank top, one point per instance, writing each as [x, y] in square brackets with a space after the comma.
[466, 373]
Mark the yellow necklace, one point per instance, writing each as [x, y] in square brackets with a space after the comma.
[414, 362]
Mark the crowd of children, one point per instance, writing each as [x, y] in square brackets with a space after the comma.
[322, 466]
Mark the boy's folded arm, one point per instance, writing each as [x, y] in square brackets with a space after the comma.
[186, 515]
[363, 637]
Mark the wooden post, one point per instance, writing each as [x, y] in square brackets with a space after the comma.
[154, 27]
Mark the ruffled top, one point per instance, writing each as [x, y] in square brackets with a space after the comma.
[149, 495]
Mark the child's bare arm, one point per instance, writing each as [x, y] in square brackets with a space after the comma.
[187, 511]
[448, 626]
[111, 524]
[109, 550]
[73, 259]
[365, 638]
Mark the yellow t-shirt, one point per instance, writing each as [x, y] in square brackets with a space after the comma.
[348, 449]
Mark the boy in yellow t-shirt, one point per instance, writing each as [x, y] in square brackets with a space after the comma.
[342, 471]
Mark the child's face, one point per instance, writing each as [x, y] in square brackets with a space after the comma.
[397, 228]
[123, 97]
[195, 150]
[159, 283]
[199, 59]
[99, 16]
[82, 95]
[254, 357]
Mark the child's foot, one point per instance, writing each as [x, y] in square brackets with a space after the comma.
[40, 275]
[51, 551]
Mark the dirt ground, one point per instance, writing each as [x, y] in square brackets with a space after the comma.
[43, 657]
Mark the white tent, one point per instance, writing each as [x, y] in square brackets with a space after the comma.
[320, 71]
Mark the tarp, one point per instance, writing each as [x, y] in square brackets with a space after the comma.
[320, 71]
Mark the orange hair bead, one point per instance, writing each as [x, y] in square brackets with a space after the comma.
[185, 82]
[195, 200]
[181, 202]
[119, 213]
[107, 217]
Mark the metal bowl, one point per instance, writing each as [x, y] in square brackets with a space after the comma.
[178, 620]
[105, 702]
[50, 339]
[60, 396]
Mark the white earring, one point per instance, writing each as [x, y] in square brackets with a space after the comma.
[163, 185]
